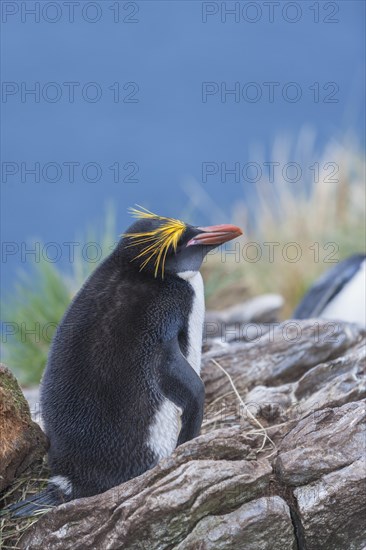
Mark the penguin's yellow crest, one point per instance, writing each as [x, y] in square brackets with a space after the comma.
[157, 241]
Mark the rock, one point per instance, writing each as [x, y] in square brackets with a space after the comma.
[332, 509]
[329, 384]
[334, 383]
[262, 524]
[230, 488]
[261, 309]
[22, 442]
[235, 322]
[270, 403]
[280, 356]
[161, 507]
[322, 442]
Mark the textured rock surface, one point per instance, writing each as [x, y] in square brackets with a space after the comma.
[230, 488]
[21, 440]
[323, 441]
[234, 322]
[162, 506]
[281, 355]
[262, 524]
[333, 509]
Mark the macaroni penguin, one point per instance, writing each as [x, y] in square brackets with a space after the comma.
[122, 385]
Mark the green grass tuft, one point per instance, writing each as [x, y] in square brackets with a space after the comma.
[38, 303]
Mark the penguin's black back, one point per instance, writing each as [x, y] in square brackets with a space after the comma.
[100, 389]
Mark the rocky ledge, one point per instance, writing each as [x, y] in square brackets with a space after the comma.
[22, 442]
[280, 463]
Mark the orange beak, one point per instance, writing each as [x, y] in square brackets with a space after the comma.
[216, 234]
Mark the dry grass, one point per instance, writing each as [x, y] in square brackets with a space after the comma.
[33, 480]
[325, 219]
[260, 429]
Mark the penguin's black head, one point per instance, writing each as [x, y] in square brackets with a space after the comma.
[158, 245]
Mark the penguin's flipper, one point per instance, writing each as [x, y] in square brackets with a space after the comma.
[326, 287]
[182, 385]
[36, 504]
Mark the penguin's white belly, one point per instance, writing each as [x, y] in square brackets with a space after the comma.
[164, 430]
[349, 304]
[196, 319]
